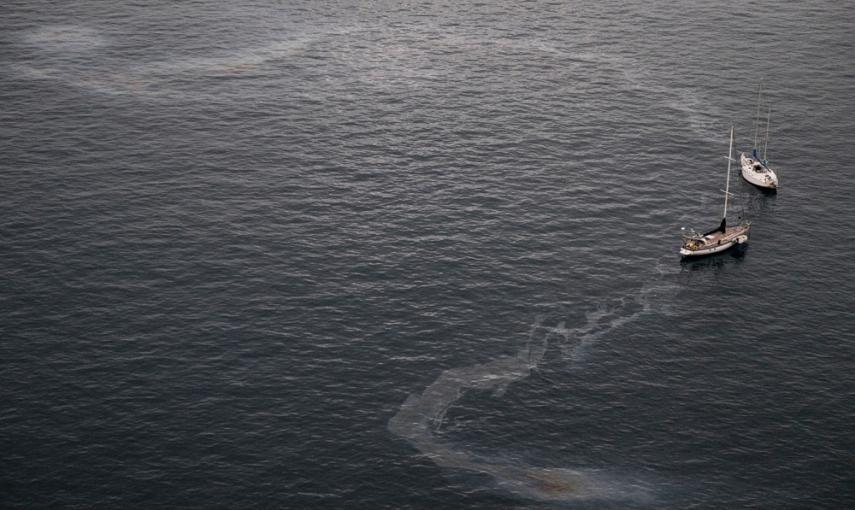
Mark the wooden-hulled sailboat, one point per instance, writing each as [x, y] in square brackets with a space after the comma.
[754, 169]
[721, 238]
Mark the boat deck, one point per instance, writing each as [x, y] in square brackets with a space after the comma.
[715, 238]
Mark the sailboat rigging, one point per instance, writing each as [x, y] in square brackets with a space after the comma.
[723, 237]
[754, 169]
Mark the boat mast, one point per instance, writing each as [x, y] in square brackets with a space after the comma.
[757, 120]
[727, 185]
[766, 142]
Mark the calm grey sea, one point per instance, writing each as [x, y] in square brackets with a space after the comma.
[342, 254]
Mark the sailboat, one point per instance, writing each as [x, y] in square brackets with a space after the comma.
[721, 238]
[755, 170]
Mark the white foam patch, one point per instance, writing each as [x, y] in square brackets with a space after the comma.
[170, 78]
[65, 38]
[243, 61]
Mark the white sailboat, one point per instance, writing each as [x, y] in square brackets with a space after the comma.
[721, 238]
[755, 170]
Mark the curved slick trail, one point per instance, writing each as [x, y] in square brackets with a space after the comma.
[421, 415]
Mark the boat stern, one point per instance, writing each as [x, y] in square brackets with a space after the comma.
[772, 179]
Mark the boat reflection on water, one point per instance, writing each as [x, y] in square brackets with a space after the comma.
[760, 199]
[735, 255]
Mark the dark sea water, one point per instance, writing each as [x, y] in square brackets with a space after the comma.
[423, 255]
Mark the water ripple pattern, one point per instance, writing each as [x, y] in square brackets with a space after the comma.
[422, 255]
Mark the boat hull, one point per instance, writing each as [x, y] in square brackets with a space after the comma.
[757, 173]
[715, 242]
[714, 249]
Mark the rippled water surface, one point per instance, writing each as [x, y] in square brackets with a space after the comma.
[423, 255]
